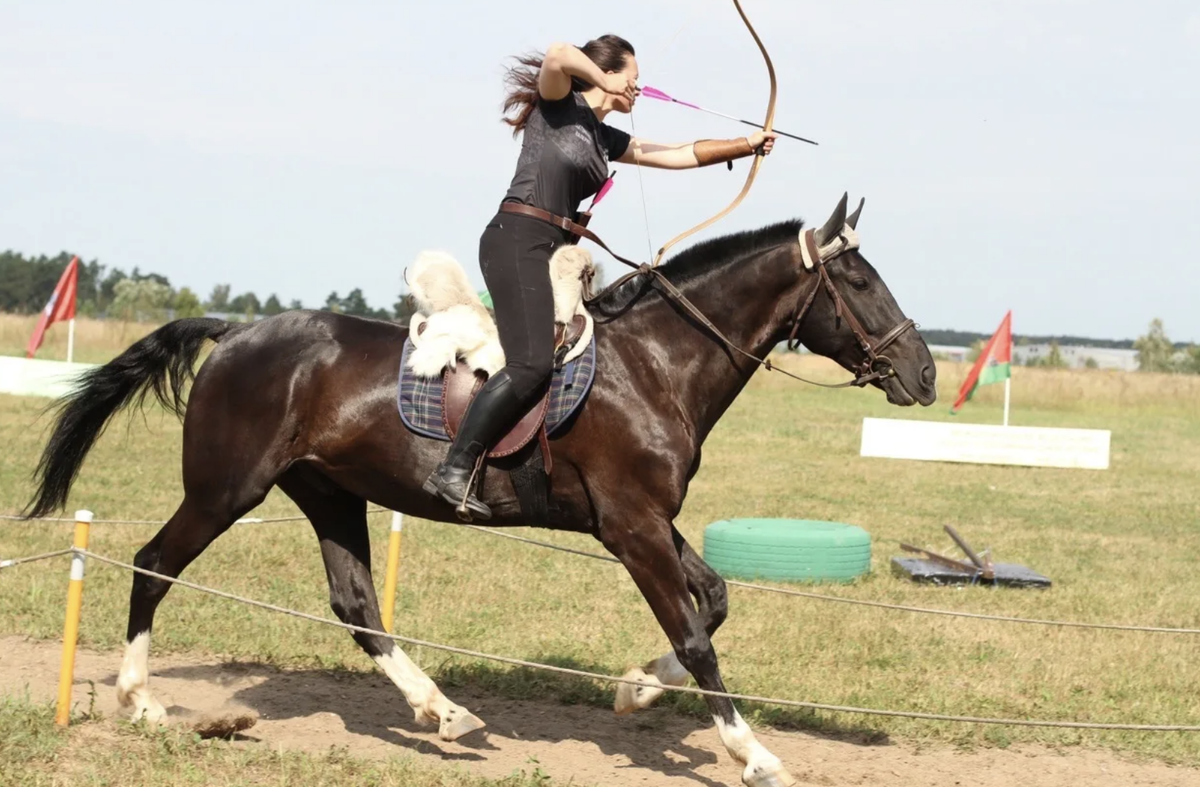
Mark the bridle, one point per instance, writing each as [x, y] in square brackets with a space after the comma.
[876, 365]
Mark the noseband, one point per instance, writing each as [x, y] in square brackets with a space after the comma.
[875, 365]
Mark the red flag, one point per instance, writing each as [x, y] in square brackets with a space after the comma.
[61, 306]
[994, 363]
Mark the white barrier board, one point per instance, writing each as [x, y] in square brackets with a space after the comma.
[939, 441]
[34, 377]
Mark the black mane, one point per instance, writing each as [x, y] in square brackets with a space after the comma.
[699, 260]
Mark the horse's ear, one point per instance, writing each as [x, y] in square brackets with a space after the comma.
[852, 219]
[833, 227]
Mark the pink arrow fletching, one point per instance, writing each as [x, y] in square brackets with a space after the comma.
[654, 92]
[600, 194]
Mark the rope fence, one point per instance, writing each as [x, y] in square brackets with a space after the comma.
[861, 602]
[79, 553]
[615, 680]
[393, 567]
[33, 558]
[249, 520]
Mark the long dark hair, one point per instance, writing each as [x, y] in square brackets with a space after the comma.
[609, 52]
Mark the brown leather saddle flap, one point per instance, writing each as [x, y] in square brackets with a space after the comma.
[565, 336]
[459, 386]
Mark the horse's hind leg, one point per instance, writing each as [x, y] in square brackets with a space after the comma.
[193, 527]
[340, 521]
[708, 588]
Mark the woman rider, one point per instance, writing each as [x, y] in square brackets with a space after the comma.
[562, 100]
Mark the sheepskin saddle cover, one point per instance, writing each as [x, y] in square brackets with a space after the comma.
[451, 322]
[453, 347]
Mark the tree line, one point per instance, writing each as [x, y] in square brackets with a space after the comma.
[1157, 353]
[26, 284]
[952, 338]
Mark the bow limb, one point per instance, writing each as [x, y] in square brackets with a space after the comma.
[758, 157]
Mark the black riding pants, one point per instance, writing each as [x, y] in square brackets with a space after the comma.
[514, 256]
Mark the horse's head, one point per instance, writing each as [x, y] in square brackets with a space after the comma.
[848, 314]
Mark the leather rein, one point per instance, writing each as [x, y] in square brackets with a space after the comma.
[875, 366]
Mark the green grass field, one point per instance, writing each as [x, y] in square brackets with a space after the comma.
[1120, 546]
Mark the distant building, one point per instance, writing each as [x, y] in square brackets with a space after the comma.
[1076, 356]
[949, 352]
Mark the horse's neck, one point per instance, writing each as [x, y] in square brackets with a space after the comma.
[746, 303]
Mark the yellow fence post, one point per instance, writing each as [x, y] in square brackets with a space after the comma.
[66, 675]
[393, 569]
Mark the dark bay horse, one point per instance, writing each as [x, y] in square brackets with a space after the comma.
[306, 401]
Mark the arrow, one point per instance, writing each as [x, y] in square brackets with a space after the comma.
[653, 92]
[603, 190]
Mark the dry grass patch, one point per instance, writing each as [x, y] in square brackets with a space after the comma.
[35, 753]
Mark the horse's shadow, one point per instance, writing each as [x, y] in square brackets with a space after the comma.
[508, 701]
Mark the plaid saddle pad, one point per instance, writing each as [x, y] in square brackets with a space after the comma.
[420, 398]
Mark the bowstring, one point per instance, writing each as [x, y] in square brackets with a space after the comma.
[637, 148]
[637, 158]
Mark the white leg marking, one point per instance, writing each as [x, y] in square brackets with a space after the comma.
[663, 671]
[133, 682]
[763, 769]
[429, 705]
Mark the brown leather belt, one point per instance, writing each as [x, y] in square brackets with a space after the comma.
[574, 228]
[546, 216]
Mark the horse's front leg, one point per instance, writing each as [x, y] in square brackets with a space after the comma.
[711, 596]
[653, 558]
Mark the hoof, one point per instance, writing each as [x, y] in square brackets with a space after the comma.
[425, 718]
[141, 704]
[459, 723]
[773, 775]
[631, 698]
[151, 711]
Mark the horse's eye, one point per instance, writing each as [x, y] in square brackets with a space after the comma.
[860, 284]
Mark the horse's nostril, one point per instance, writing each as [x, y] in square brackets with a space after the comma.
[928, 374]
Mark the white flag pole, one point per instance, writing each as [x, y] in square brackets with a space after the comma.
[1008, 380]
[70, 339]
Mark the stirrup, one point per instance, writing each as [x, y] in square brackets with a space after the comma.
[466, 504]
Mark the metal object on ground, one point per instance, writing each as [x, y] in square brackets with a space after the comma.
[942, 570]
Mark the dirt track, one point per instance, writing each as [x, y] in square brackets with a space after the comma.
[314, 710]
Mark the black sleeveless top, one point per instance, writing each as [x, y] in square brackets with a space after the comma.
[565, 155]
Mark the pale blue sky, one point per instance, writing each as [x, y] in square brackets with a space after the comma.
[1039, 155]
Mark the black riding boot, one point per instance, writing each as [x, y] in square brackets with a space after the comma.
[493, 411]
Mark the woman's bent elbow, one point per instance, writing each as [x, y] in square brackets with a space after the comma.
[555, 54]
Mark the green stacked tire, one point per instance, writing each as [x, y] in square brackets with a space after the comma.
[787, 550]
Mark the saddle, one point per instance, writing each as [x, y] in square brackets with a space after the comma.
[460, 383]
[454, 337]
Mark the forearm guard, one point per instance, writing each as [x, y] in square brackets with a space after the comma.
[715, 151]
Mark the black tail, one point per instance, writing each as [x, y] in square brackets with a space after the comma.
[161, 362]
